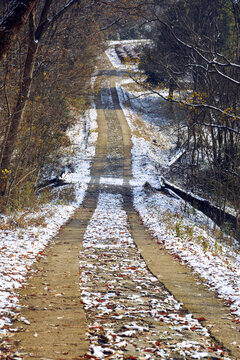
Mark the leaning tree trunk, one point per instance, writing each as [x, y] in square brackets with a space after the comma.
[16, 118]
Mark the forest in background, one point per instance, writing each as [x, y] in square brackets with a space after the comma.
[47, 51]
[195, 54]
[44, 76]
[47, 58]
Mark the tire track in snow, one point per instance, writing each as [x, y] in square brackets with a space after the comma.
[131, 315]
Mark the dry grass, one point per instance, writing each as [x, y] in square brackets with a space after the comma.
[143, 129]
[209, 239]
[24, 220]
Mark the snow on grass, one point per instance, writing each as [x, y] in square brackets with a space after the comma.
[19, 249]
[133, 41]
[159, 155]
[114, 59]
[181, 235]
[131, 315]
[84, 138]
[116, 62]
[24, 236]
[151, 106]
[177, 227]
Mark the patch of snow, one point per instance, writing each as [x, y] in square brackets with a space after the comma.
[111, 181]
[133, 41]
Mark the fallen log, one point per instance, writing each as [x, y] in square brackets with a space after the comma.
[219, 216]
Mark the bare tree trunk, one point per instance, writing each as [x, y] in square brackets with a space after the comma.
[236, 12]
[25, 87]
[23, 96]
[12, 21]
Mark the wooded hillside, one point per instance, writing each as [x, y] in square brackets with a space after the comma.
[195, 54]
[47, 53]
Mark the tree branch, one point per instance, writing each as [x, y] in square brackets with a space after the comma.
[188, 104]
[47, 22]
[12, 22]
[212, 62]
[111, 24]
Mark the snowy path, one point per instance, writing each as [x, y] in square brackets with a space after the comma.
[130, 313]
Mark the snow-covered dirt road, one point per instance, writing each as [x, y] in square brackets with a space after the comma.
[131, 315]
[125, 276]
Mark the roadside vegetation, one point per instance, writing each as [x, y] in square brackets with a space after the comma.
[194, 55]
[44, 78]
[47, 55]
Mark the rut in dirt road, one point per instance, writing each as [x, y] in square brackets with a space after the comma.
[128, 312]
[131, 314]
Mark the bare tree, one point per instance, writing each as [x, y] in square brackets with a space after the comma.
[12, 21]
[195, 50]
[35, 34]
